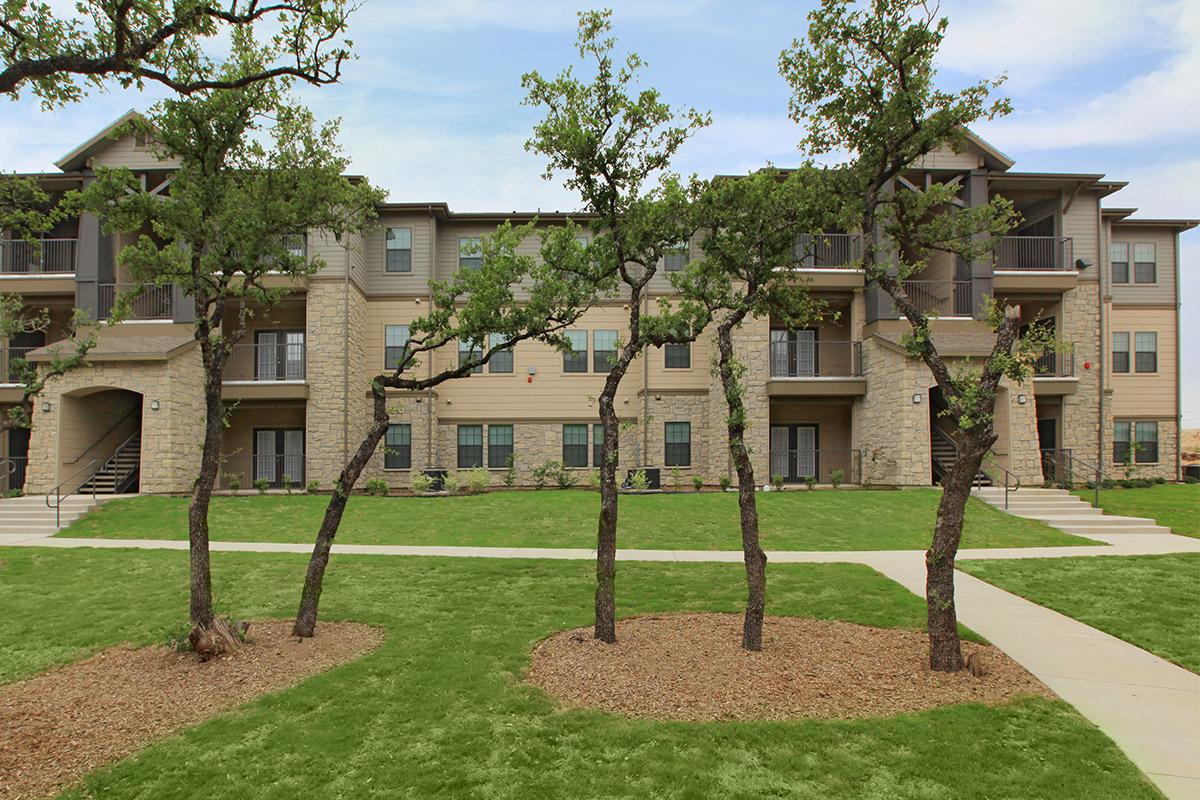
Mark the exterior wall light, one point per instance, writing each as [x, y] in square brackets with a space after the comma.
[46, 406]
[916, 398]
[1021, 400]
[154, 406]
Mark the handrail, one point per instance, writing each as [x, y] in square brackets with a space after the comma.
[1007, 474]
[58, 497]
[104, 435]
[118, 481]
[1099, 474]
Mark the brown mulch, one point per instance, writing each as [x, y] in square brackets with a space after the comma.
[59, 725]
[691, 667]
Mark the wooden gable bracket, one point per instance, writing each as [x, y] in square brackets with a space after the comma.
[1071, 199]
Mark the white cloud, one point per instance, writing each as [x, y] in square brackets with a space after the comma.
[526, 15]
[1157, 105]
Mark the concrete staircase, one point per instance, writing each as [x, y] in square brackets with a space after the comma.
[1063, 510]
[28, 517]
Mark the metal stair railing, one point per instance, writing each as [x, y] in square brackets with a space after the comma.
[104, 435]
[1099, 475]
[1016, 481]
[57, 490]
[120, 478]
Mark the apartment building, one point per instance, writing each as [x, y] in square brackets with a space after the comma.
[842, 397]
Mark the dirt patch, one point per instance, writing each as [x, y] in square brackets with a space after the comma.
[691, 667]
[59, 725]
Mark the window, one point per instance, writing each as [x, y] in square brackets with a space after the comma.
[575, 360]
[598, 445]
[468, 350]
[500, 445]
[1145, 345]
[397, 447]
[470, 446]
[575, 445]
[678, 452]
[1118, 256]
[398, 250]
[1120, 351]
[1144, 266]
[501, 360]
[1146, 434]
[604, 350]
[677, 356]
[296, 244]
[395, 339]
[1121, 432]
[676, 257]
[469, 254]
[582, 239]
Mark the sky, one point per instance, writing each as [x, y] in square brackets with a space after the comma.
[431, 110]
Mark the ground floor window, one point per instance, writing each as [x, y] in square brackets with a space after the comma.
[279, 456]
[598, 445]
[678, 449]
[500, 445]
[575, 446]
[397, 447]
[1136, 439]
[470, 446]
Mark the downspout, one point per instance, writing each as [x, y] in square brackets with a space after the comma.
[1178, 370]
[1104, 267]
[646, 395]
[429, 432]
[346, 355]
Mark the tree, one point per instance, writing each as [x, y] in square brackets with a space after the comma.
[752, 227]
[254, 170]
[864, 84]
[512, 297]
[611, 141]
[58, 57]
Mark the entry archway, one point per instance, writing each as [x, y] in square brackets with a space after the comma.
[99, 440]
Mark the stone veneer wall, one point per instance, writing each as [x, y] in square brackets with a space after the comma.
[1080, 326]
[893, 431]
[171, 436]
[1024, 456]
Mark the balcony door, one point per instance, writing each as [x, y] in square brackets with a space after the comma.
[794, 452]
[279, 452]
[794, 353]
[279, 355]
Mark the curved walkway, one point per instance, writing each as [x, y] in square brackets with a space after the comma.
[1147, 705]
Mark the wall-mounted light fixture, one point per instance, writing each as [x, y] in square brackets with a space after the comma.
[1020, 399]
[916, 398]
[46, 406]
[1083, 263]
[154, 405]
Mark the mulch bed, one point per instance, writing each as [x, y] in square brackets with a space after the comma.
[691, 667]
[57, 726]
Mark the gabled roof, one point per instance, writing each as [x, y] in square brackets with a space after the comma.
[991, 155]
[77, 158]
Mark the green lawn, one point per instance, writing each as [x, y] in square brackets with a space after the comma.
[820, 520]
[1150, 601]
[439, 710]
[1176, 505]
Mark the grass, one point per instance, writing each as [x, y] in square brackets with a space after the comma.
[1175, 505]
[439, 710]
[1150, 601]
[820, 520]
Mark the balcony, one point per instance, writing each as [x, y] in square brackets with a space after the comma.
[1054, 374]
[11, 360]
[40, 257]
[1034, 253]
[799, 465]
[275, 470]
[940, 298]
[828, 250]
[151, 302]
[267, 369]
[805, 367]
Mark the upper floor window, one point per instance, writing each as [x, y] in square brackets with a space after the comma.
[397, 447]
[468, 350]
[1118, 257]
[296, 244]
[501, 360]
[395, 340]
[582, 239]
[676, 257]
[1145, 344]
[677, 356]
[604, 350]
[469, 254]
[398, 250]
[1120, 351]
[1145, 267]
[575, 359]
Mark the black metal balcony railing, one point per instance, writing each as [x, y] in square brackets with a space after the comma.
[277, 361]
[827, 250]
[153, 302]
[1034, 253]
[794, 466]
[828, 359]
[11, 360]
[1053, 364]
[1056, 466]
[941, 298]
[278, 471]
[40, 257]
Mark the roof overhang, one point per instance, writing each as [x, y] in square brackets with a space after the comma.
[77, 158]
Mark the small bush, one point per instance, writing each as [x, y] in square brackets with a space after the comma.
[1159, 481]
[510, 472]
[478, 481]
[261, 484]
[639, 481]
[811, 482]
[542, 473]
[777, 482]
[377, 487]
[676, 478]
[594, 478]
[234, 480]
[286, 482]
[420, 483]
[15, 493]
[697, 482]
[836, 477]
[725, 483]
[451, 483]
[565, 478]
[313, 486]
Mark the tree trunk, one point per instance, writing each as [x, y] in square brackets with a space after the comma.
[752, 552]
[310, 596]
[945, 650]
[201, 607]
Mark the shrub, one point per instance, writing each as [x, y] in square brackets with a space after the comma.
[777, 482]
[565, 478]
[676, 478]
[1159, 481]
[697, 482]
[261, 484]
[478, 481]
[420, 483]
[725, 483]
[594, 479]
[639, 481]
[811, 482]
[836, 477]
[510, 472]
[377, 487]
[313, 486]
[234, 480]
[542, 473]
[287, 483]
[15, 493]
[451, 483]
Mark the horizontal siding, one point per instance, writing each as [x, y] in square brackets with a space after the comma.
[946, 158]
[1145, 395]
[1163, 290]
[376, 279]
[1082, 224]
[124, 152]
